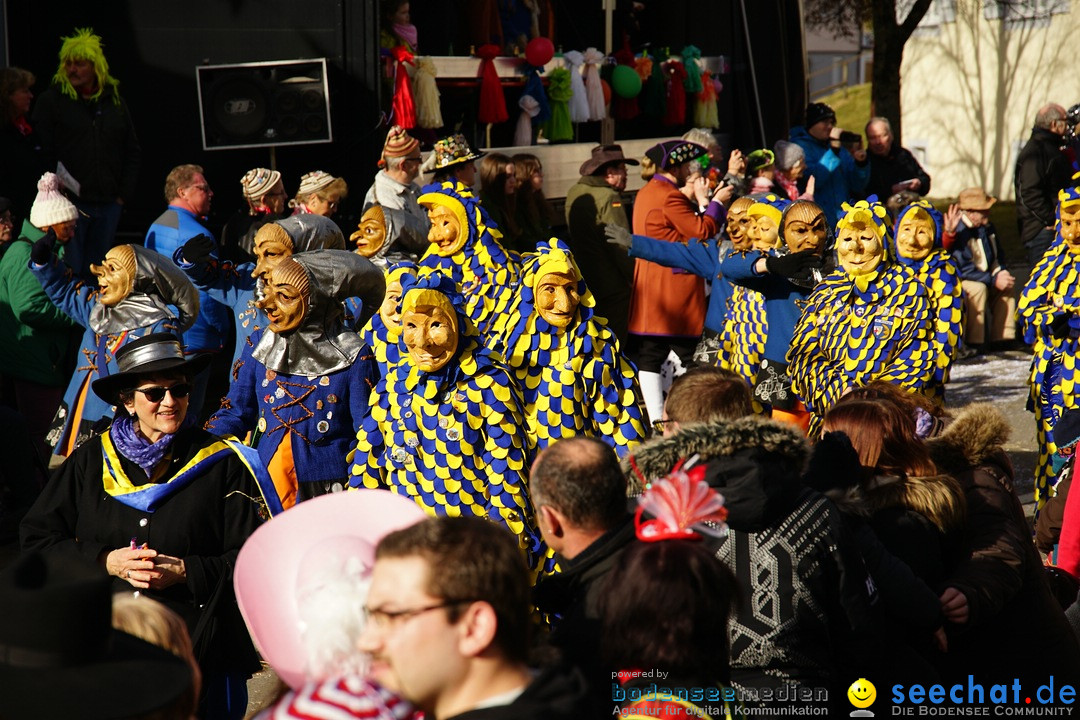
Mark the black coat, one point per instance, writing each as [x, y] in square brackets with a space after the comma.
[1016, 627]
[552, 695]
[804, 590]
[1041, 171]
[574, 596]
[887, 170]
[23, 160]
[204, 524]
[95, 139]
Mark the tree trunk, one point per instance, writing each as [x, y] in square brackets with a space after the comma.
[888, 54]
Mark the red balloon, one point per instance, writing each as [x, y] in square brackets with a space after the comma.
[539, 51]
[607, 91]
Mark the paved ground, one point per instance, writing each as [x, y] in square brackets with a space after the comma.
[1001, 379]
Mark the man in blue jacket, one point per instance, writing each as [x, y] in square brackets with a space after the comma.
[839, 176]
[189, 197]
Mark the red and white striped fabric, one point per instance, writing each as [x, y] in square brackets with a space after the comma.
[342, 698]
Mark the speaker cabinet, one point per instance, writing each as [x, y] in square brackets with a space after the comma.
[264, 104]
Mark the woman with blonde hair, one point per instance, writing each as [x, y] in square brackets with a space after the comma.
[149, 620]
[320, 193]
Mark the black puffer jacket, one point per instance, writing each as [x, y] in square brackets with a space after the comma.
[803, 587]
[1016, 627]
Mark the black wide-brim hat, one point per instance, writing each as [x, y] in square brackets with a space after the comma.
[60, 656]
[154, 353]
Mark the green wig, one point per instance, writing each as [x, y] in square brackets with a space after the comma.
[85, 45]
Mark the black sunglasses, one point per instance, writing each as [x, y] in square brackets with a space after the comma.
[156, 393]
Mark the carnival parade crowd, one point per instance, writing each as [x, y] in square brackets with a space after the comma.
[444, 474]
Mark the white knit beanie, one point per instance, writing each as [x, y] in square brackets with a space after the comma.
[50, 206]
[787, 154]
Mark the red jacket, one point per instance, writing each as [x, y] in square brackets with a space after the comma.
[667, 301]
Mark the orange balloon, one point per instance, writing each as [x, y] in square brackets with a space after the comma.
[607, 91]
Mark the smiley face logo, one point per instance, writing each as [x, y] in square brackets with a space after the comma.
[862, 693]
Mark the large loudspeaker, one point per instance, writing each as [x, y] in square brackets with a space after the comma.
[264, 104]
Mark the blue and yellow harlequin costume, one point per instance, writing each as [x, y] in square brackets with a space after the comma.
[574, 379]
[856, 329]
[487, 275]
[454, 439]
[938, 275]
[376, 335]
[1049, 312]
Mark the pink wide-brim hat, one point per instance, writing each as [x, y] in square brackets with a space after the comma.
[269, 564]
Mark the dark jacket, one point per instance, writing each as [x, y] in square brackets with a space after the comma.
[573, 595]
[552, 695]
[23, 162]
[1052, 515]
[204, 524]
[1016, 627]
[95, 139]
[608, 271]
[1041, 171]
[962, 255]
[792, 625]
[887, 170]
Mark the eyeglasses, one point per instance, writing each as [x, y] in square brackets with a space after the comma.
[385, 619]
[204, 188]
[156, 393]
[659, 425]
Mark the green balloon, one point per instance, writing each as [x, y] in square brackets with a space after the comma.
[625, 81]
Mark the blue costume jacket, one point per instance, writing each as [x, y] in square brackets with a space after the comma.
[317, 415]
[81, 409]
[837, 179]
[781, 300]
[169, 232]
[702, 259]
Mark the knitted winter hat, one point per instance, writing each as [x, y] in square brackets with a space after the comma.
[816, 112]
[787, 154]
[314, 181]
[399, 143]
[258, 182]
[50, 206]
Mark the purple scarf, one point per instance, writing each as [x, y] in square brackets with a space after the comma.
[138, 449]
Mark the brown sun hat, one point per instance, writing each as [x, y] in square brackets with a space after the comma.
[605, 155]
[975, 199]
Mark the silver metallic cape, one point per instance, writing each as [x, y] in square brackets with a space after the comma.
[158, 284]
[323, 344]
[313, 232]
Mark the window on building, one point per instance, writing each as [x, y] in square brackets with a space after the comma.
[1024, 13]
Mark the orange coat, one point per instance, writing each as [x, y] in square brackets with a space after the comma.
[666, 301]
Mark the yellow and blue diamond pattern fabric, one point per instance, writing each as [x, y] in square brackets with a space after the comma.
[1051, 298]
[574, 380]
[848, 336]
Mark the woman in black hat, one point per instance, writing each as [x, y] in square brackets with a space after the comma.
[164, 507]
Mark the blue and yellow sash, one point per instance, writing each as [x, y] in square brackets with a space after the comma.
[149, 496]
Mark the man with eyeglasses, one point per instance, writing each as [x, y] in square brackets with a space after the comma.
[189, 197]
[396, 191]
[448, 625]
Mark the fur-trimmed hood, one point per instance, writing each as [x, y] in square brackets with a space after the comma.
[755, 464]
[978, 433]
